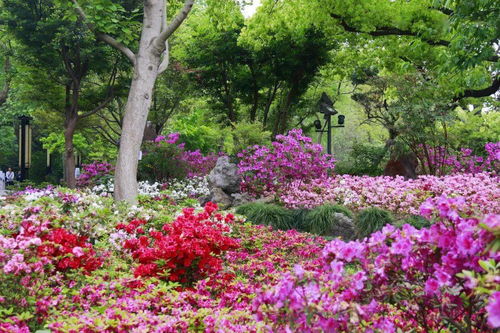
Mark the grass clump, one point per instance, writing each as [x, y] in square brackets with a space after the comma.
[371, 220]
[331, 220]
[268, 214]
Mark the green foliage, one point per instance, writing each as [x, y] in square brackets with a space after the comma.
[197, 132]
[364, 159]
[321, 219]
[267, 214]
[372, 219]
[416, 221]
[245, 134]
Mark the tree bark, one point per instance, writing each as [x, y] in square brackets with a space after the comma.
[134, 122]
[69, 152]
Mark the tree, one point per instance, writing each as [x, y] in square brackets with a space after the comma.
[147, 65]
[55, 49]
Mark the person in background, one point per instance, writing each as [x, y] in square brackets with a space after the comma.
[19, 176]
[2, 180]
[9, 177]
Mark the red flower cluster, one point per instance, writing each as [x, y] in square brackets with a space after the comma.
[68, 250]
[186, 250]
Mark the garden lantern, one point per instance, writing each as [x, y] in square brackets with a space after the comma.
[326, 107]
[24, 146]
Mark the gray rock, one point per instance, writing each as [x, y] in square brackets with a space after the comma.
[225, 176]
[241, 198]
[220, 197]
[343, 227]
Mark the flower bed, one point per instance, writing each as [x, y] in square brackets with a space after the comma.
[395, 193]
[77, 262]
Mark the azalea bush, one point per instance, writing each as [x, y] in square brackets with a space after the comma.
[396, 280]
[186, 250]
[291, 158]
[94, 174]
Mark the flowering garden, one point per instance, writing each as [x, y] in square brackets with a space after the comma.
[76, 261]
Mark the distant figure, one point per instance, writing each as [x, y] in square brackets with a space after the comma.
[404, 165]
[9, 177]
[19, 176]
[77, 172]
[2, 180]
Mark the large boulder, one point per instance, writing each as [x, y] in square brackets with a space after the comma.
[218, 196]
[225, 176]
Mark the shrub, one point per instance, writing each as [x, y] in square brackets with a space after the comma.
[94, 174]
[371, 220]
[267, 214]
[185, 250]
[327, 220]
[291, 157]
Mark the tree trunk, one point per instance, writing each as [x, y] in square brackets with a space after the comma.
[69, 153]
[139, 100]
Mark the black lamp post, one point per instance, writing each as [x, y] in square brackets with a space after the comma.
[24, 146]
[326, 107]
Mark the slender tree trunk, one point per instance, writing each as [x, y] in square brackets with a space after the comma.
[69, 152]
[270, 99]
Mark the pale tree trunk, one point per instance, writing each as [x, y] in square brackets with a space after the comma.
[134, 122]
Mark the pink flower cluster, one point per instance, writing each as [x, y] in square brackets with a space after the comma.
[396, 194]
[292, 157]
[396, 280]
[195, 162]
[94, 173]
[438, 160]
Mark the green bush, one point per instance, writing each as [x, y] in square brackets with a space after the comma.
[246, 134]
[330, 220]
[161, 162]
[417, 221]
[267, 214]
[371, 220]
[364, 159]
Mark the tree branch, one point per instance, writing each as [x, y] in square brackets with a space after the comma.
[388, 31]
[476, 93]
[176, 22]
[104, 37]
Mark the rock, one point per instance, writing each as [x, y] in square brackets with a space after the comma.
[220, 197]
[225, 176]
[241, 198]
[266, 200]
[343, 227]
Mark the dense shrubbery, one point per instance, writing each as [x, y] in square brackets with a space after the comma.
[185, 250]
